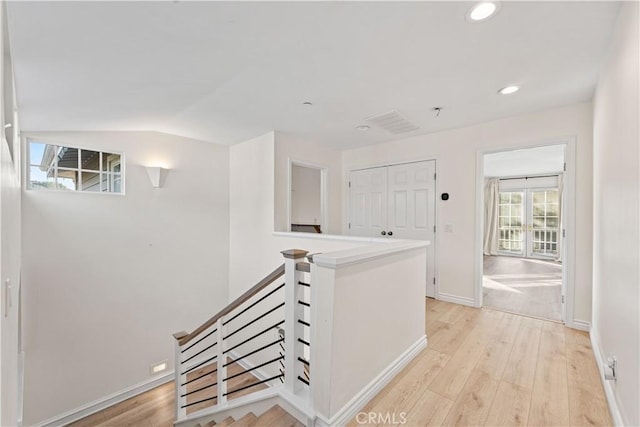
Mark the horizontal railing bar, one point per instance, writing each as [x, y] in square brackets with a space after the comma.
[304, 342]
[303, 380]
[254, 320]
[308, 285]
[255, 336]
[306, 362]
[209, 334]
[252, 385]
[254, 368]
[306, 304]
[303, 266]
[199, 353]
[254, 304]
[200, 389]
[197, 378]
[199, 401]
[198, 365]
[254, 352]
[235, 304]
[302, 322]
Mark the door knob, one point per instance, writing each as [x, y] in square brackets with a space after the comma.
[390, 233]
[384, 233]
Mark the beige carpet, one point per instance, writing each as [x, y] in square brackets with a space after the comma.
[520, 285]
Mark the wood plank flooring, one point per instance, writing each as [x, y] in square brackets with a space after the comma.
[482, 367]
[488, 367]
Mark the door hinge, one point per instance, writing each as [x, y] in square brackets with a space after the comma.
[434, 176]
[564, 166]
[564, 232]
[349, 184]
[349, 226]
[434, 228]
[563, 299]
[434, 280]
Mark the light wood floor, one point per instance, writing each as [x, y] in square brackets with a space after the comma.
[482, 367]
[488, 367]
[526, 286]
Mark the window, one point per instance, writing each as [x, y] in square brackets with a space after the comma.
[74, 169]
[510, 225]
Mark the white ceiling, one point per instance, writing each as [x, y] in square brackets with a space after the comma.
[527, 162]
[225, 72]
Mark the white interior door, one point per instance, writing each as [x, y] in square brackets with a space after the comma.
[396, 202]
[368, 202]
[411, 208]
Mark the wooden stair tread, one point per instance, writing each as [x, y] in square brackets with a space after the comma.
[226, 422]
[245, 421]
[270, 417]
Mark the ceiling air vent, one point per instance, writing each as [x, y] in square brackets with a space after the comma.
[393, 122]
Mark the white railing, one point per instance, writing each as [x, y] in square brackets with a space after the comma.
[260, 340]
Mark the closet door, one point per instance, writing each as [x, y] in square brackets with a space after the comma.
[368, 202]
[411, 208]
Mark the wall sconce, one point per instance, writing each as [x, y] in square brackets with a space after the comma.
[156, 175]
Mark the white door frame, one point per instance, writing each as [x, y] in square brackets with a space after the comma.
[569, 219]
[324, 201]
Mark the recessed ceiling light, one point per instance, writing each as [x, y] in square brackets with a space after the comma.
[362, 128]
[508, 90]
[307, 104]
[483, 10]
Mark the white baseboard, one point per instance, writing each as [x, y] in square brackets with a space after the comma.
[103, 403]
[614, 409]
[456, 299]
[349, 411]
[581, 325]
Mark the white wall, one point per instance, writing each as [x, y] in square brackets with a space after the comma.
[111, 277]
[616, 322]
[10, 246]
[254, 249]
[455, 152]
[305, 195]
[289, 147]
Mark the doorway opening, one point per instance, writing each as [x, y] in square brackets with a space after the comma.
[307, 198]
[523, 254]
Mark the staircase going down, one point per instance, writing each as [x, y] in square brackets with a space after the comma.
[274, 417]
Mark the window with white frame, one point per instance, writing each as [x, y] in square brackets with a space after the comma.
[58, 167]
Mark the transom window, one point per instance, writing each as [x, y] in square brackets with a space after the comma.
[58, 167]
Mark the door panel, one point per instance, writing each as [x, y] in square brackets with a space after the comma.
[368, 202]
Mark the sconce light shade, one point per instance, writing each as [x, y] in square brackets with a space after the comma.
[155, 174]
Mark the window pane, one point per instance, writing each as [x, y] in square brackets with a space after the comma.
[68, 158]
[90, 160]
[516, 198]
[90, 181]
[66, 184]
[538, 197]
[552, 196]
[111, 162]
[40, 178]
[37, 150]
[552, 222]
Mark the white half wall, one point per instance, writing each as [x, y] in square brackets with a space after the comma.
[109, 278]
[616, 235]
[455, 153]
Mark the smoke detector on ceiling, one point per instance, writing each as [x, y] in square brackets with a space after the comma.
[393, 122]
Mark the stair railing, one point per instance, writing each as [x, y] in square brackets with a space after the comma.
[261, 339]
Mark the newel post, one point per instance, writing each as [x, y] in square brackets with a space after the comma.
[293, 348]
[180, 379]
